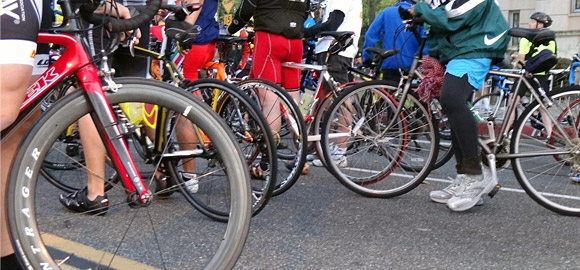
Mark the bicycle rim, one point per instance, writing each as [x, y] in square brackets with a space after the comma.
[126, 237]
[546, 179]
[290, 136]
[253, 135]
[372, 156]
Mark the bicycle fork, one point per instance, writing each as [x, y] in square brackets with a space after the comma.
[110, 132]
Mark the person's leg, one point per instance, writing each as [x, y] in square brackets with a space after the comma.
[454, 95]
[473, 183]
[266, 65]
[95, 157]
[546, 121]
[14, 79]
[196, 58]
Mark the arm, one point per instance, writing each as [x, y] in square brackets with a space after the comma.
[373, 35]
[243, 15]
[192, 18]
[439, 20]
[523, 49]
[335, 19]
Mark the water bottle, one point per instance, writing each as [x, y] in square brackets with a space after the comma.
[475, 112]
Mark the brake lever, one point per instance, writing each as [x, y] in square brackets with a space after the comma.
[130, 42]
[132, 46]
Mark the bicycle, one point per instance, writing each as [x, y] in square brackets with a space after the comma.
[242, 116]
[317, 117]
[36, 224]
[540, 164]
[295, 127]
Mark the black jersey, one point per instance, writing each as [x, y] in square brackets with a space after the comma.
[281, 17]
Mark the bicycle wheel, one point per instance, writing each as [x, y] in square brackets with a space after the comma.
[288, 128]
[157, 235]
[545, 179]
[359, 122]
[445, 152]
[253, 135]
[315, 127]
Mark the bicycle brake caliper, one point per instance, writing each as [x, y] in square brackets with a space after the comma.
[107, 74]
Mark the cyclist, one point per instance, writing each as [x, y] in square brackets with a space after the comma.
[340, 15]
[279, 30]
[466, 36]
[538, 20]
[388, 25]
[18, 34]
[197, 53]
[202, 49]
[18, 43]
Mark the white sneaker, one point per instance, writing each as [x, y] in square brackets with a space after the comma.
[337, 156]
[470, 191]
[191, 183]
[442, 196]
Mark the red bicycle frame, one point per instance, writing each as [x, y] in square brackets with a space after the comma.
[75, 61]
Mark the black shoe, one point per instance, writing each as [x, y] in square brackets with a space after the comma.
[79, 202]
[163, 187]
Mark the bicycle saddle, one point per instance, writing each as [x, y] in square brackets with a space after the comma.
[536, 36]
[336, 35]
[231, 39]
[383, 53]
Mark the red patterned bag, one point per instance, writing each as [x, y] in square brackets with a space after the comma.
[430, 86]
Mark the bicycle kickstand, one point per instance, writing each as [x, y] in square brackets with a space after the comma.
[491, 162]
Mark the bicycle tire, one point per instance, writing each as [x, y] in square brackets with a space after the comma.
[446, 151]
[294, 150]
[262, 141]
[368, 178]
[551, 186]
[24, 208]
[316, 126]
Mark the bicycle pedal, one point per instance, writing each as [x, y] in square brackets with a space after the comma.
[494, 190]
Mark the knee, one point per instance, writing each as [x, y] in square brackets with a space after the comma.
[449, 103]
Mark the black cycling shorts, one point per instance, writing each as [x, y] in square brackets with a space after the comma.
[19, 26]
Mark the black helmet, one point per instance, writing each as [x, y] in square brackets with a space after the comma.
[543, 18]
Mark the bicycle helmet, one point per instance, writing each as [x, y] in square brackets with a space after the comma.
[542, 17]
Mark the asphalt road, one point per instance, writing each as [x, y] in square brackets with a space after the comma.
[319, 224]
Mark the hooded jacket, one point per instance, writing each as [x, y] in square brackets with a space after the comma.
[465, 29]
[388, 25]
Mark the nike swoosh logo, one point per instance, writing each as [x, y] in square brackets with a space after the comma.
[490, 41]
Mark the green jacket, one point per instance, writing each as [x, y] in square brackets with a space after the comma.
[465, 29]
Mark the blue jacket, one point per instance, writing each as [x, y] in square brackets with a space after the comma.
[386, 25]
[209, 26]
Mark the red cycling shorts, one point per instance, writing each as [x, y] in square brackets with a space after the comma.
[270, 51]
[196, 58]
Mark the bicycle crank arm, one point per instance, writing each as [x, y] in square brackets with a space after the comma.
[491, 162]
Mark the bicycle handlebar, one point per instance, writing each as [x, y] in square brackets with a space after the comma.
[120, 25]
